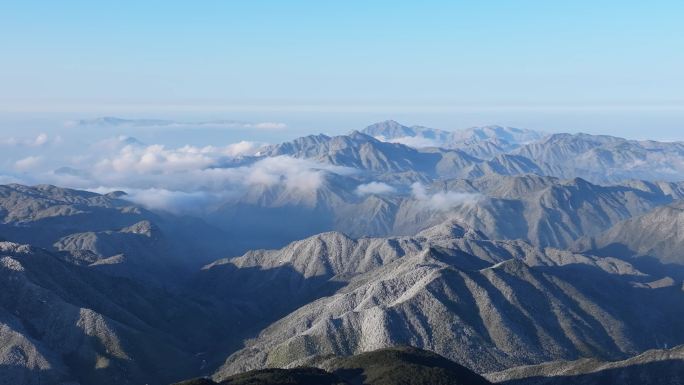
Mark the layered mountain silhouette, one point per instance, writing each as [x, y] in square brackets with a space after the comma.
[542, 210]
[657, 233]
[487, 318]
[481, 142]
[418, 254]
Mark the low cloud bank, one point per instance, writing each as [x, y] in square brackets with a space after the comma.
[443, 200]
[378, 188]
[183, 178]
[411, 141]
[39, 140]
[29, 163]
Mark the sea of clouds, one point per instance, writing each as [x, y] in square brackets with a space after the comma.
[182, 178]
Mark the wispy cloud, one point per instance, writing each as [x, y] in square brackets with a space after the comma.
[179, 178]
[161, 123]
[29, 163]
[377, 188]
[37, 141]
[442, 200]
[411, 141]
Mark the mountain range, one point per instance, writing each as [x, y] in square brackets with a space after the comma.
[487, 254]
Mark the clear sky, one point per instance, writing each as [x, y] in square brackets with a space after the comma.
[370, 58]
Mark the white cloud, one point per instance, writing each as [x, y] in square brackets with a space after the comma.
[374, 188]
[28, 163]
[442, 201]
[197, 188]
[127, 155]
[411, 141]
[158, 176]
[40, 140]
[155, 159]
[175, 178]
[178, 202]
[242, 148]
[295, 173]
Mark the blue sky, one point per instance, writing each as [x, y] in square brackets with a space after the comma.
[540, 63]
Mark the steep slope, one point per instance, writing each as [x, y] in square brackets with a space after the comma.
[59, 321]
[436, 300]
[275, 282]
[652, 367]
[658, 233]
[417, 136]
[358, 151]
[364, 152]
[267, 284]
[281, 280]
[544, 211]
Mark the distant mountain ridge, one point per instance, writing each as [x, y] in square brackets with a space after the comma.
[657, 233]
[597, 158]
[484, 142]
[542, 210]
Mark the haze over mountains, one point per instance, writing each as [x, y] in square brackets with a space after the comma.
[523, 256]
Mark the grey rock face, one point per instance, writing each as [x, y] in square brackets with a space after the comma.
[659, 233]
[364, 152]
[62, 322]
[486, 313]
[106, 230]
[542, 210]
[391, 129]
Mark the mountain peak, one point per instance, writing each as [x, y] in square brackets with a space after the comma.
[452, 229]
[387, 124]
[358, 135]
